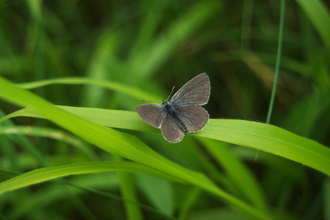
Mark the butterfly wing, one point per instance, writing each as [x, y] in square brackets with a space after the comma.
[153, 114]
[193, 117]
[194, 92]
[170, 130]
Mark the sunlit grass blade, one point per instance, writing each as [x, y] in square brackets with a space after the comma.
[270, 139]
[105, 117]
[118, 143]
[50, 173]
[119, 87]
[267, 138]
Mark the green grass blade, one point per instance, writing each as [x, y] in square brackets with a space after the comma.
[158, 191]
[118, 143]
[119, 87]
[260, 136]
[270, 139]
[239, 174]
[129, 193]
[169, 41]
[78, 185]
[105, 117]
[48, 133]
[319, 16]
[50, 173]
[21, 141]
[278, 63]
[188, 202]
[326, 198]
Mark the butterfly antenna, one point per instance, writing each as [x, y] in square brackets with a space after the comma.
[170, 93]
[143, 100]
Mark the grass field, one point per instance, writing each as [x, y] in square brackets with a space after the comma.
[73, 147]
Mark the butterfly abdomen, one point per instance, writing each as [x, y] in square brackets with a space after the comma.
[180, 124]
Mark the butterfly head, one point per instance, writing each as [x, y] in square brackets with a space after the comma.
[164, 102]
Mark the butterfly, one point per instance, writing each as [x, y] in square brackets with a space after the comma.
[183, 114]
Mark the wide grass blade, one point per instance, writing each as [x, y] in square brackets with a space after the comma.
[50, 173]
[119, 87]
[118, 143]
[270, 139]
[260, 136]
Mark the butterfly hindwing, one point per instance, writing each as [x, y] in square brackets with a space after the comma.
[170, 130]
[193, 117]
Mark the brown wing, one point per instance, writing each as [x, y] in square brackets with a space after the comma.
[170, 130]
[194, 92]
[193, 117]
[153, 114]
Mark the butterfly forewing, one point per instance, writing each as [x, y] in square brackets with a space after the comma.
[170, 130]
[194, 92]
[193, 117]
[153, 114]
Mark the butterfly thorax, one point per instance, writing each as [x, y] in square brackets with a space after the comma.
[170, 109]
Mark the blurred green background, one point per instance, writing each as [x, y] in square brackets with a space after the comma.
[154, 45]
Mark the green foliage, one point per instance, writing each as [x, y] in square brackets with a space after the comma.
[89, 63]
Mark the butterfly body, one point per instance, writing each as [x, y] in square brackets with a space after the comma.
[173, 113]
[182, 114]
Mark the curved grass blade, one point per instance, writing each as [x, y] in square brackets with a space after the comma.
[119, 87]
[119, 143]
[48, 133]
[270, 139]
[260, 136]
[50, 173]
[105, 117]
